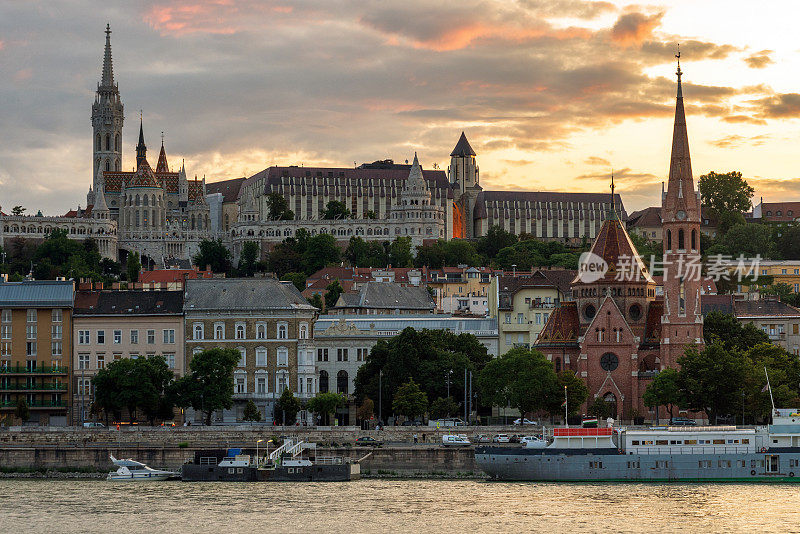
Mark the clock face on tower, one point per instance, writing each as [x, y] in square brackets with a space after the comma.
[609, 361]
[680, 215]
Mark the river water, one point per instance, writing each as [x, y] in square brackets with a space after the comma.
[397, 506]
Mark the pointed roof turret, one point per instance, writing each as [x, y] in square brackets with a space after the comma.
[462, 147]
[100, 207]
[141, 148]
[680, 194]
[108, 67]
[415, 179]
[162, 166]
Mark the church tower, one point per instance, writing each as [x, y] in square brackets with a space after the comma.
[682, 322]
[465, 179]
[107, 117]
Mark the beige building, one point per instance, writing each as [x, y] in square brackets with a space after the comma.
[109, 325]
[269, 323]
[522, 304]
[35, 343]
[461, 290]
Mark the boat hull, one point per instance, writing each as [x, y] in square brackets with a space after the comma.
[586, 465]
[139, 477]
[313, 473]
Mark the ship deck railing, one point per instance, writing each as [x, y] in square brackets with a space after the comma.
[679, 449]
[331, 460]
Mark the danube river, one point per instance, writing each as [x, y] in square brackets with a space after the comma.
[397, 506]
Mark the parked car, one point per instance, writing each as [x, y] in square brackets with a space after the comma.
[683, 421]
[523, 422]
[514, 438]
[412, 423]
[365, 441]
[501, 438]
[93, 425]
[483, 438]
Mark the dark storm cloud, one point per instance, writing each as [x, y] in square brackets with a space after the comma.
[237, 86]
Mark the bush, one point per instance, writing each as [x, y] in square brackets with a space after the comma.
[183, 445]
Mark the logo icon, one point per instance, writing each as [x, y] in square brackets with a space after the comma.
[591, 267]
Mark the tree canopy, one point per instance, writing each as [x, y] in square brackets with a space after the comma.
[278, 208]
[336, 209]
[215, 254]
[135, 384]
[209, 384]
[287, 407]
[326, 404]
[409, 400]
[728, 195]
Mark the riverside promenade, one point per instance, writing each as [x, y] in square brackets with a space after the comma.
[24, 448]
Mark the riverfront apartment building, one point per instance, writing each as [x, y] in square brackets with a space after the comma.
[35, 347]
[269, 323]
[109, 325]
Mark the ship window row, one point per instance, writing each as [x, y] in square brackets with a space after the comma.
[634, 465]
[595, 464]
[743, 441]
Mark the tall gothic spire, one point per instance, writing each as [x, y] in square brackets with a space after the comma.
[141, 148]
[162, 165]
[612, 212]
[108, 67]
[680, 185]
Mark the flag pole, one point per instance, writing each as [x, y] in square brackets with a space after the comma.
[772, 400]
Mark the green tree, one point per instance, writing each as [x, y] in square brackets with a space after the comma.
[215, 254]
[728, 195]
[152, 384]
[495, 239]
[141, 384]
[17, 211]
[427, 357]
[577, 392]
[326, 404]
[788, 242]
[133, 266]
[664, 390]
[400, 252]
[336, 209]
[209, 384]
[409, 400]
[748, 239]
[320, 252]
[298, 279]
[784, 377]
[332, 293]
[441, 408]
[724, 328]
[278, 208]
[366, 410]
[369, 214]
[287, 407]
[251, 412]
[523, 379]
[316, 301]
[286, 257]
[248, 259]
[22, 412]
[711, 380]
[602, 409]
[781, 290]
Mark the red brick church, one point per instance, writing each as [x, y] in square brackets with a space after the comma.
[616, 333]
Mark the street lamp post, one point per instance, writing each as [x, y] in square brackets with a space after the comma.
[258, 458]
[380, 396]
[514, 267]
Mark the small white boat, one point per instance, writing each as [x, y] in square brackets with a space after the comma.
[455, 440]
[129, 469]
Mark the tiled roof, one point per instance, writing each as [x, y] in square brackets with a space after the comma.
[386, 295]
[462, 147]
[108, 302]
[764, 307]
[562, 326]
[242, 294]
[44, 293]
[789, 211]
[172, 275]
[647, 217]
[720, 303]
[229, 189]
[614, 245]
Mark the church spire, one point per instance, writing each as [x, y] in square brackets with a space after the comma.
[612, 213]
[162, 165]
[141, 148]
[108, 67]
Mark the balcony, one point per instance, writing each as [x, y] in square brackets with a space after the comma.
[23, 370]
[516, 327]
[5, 405]
[34, 387]
[777, 336]
[543, 305]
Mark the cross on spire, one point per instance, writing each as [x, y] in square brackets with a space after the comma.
[679, 71]
[162, 138]
[108, 67]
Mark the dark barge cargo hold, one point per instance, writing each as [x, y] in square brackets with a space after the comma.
[285, 464]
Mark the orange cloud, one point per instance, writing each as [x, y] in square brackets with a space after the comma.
[464, 36]
[207, 16]
[634, 28]
[759, 60]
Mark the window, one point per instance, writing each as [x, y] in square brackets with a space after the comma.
[281, 386]
[283, 357]
[30, 348]
[56, 316]
[283, 331]
[134, 356]
[508, 318]
[170, 358]
[323, 381]
[261, 331]
[56, 348]
[261, 385]
[520, 318]
[322, 355]
[5, 332]
[101, 361]
[169, 336]
[341, 382]
[6, 316]
[117, 337]
[261, 357]
[32, 316]
[242, 357]
[361, 354]
[303, 330]
[219, 331]
[101, 337]
[309, 385]
[151, 337]
[538, 318]
[56, 330]
[240, 331]
[341, 355]
[30, 331]
[197, 330]
[83, 361]
[85, 386]
[241, 384]
[134, 337]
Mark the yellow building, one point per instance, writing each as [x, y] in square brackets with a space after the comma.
[461, 290]
[769, 271]
[522, 303]
[35, 348]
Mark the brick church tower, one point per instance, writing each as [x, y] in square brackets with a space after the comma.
[682, 322]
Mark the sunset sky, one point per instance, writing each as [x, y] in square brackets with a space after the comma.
[551, 93]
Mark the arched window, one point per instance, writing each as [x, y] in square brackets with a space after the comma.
[341, 382]
[303, 330]
[198, 331]
[694, 239]
[261, 331]
[681, 245]
[108, 165]
[323, 381]
[669, 239]
[98, 143]
[219, 331]
[108, 141]
[282, 331]
[116, 143]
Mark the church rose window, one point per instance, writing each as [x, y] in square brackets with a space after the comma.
[589, 311]
[635, 312]
[609, 361]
